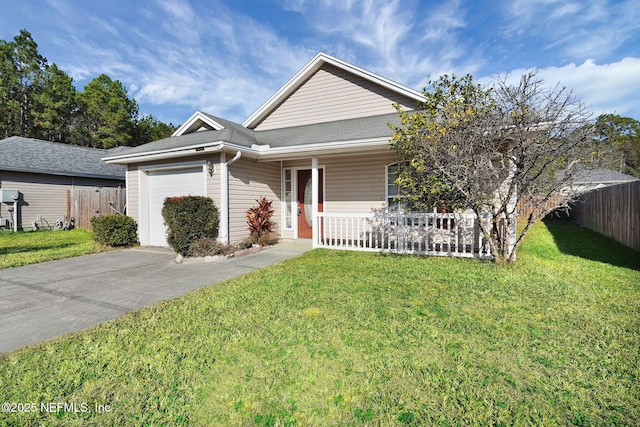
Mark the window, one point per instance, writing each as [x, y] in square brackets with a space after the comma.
[393, 189]
[288, 198]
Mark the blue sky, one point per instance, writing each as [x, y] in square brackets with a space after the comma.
[227, 57]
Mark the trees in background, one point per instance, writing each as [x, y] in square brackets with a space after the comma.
[55, 107]
[21, 79]
[621, 136]
[39, 100]
[487, 149]
[106, 116]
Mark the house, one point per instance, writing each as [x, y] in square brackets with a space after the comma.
[38, 175]
[587, 179]
[320, 144]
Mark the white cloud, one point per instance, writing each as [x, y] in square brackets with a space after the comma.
[191, 54]
[402, 40]
[581, 29]
[604, 88]
[372, 24]
[182, 21]
[226, 69]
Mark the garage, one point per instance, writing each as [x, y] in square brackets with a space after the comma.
[170, 183]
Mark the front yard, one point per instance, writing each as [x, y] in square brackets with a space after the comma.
[32, 247]
[343, 338]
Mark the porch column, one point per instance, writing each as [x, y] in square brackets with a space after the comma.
[314, 201]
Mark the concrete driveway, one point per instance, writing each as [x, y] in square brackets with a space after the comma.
[43, 301]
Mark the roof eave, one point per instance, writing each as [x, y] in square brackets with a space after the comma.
[259, 152]
[191, 150]
[323, 149]
[65, 173]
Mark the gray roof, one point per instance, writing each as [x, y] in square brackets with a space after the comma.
[232, 132]
[336, 131]
[585, 175]
[602, 175]
[341, 130]
[36, 156]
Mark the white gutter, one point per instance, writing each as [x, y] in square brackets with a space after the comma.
[224, 196]
[191, 150]
[260, 152]
[319, 149]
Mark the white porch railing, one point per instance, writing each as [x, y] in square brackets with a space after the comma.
[443, 234]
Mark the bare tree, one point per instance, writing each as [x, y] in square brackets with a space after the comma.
[492, 148]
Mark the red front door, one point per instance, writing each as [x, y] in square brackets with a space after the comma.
[305, 219]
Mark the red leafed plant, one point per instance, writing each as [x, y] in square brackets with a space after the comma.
[259, 219]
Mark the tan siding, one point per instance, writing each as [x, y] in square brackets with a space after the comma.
[356, 184]
[333, 94]
[133, 193]
[248, 181]
[213, 181]
[353, 184]
[44, 195]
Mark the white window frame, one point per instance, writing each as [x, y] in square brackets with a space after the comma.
[288, 203]
[294, 195]
[390, 204]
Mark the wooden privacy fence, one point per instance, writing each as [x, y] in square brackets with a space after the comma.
[424, 233]
[524, 209]
[85, 203]
[613, 211]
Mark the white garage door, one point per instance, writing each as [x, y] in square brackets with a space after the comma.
[163, 184]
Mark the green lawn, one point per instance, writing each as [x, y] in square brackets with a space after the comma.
[24, 248]
[348, 339]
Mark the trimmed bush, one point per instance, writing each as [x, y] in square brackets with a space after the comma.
[114, 230]
[189, 218]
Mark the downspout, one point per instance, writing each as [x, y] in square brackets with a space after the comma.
[224, 195]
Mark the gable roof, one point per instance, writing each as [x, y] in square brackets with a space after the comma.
[19, 154]
[197, 122]
[313, 67]
[192, 143]
[363, 128]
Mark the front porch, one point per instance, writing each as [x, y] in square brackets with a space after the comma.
[353, 214]
[421, 233]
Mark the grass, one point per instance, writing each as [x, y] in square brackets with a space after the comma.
[25, 248]
[343, 338]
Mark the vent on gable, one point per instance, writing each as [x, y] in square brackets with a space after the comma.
[204, 127]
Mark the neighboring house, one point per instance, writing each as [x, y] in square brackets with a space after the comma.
[319, 144]
[42, 172]
[585, 179]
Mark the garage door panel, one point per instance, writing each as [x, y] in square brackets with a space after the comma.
[172, 183]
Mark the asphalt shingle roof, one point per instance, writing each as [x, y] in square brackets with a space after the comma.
[587, 175]
[341, 130]
[336, 131]
[36, 156]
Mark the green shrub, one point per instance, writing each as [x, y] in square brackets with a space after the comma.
[189, 218]
[114, 230]
[259, 219]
